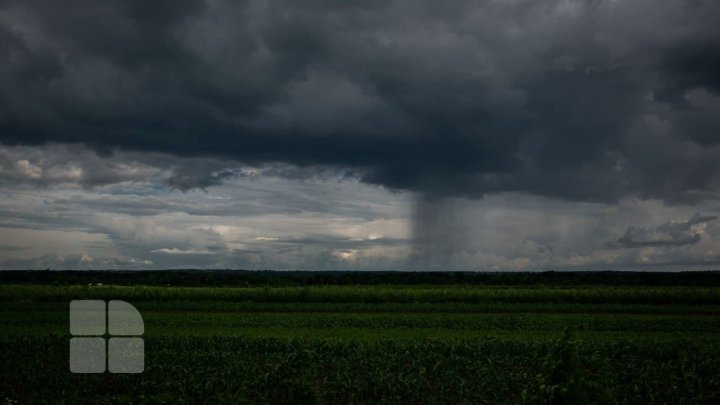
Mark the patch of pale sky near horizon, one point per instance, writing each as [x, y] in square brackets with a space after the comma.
[66, 207]
[280, 223]
[242, 215]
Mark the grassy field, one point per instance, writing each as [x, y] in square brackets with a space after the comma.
[379, 344]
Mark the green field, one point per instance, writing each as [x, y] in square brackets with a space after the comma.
[379, 344]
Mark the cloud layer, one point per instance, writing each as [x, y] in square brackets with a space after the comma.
[582, 100]
[669, 234]
[492, 134]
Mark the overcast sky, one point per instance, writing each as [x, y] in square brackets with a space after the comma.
[470, 135]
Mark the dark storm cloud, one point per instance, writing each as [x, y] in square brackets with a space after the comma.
[692, 64]
[187, 178]
[581, 100]
[668, 234]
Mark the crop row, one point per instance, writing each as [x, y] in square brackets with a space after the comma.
[182, 322]
[389, 307]
[373, 294]
[204, 369]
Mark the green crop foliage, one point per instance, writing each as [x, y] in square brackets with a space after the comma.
[374, 294]
[378, 344]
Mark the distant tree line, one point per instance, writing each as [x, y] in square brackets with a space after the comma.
[294, 278]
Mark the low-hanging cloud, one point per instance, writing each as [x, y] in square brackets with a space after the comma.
[186, 178]
[668, 234]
